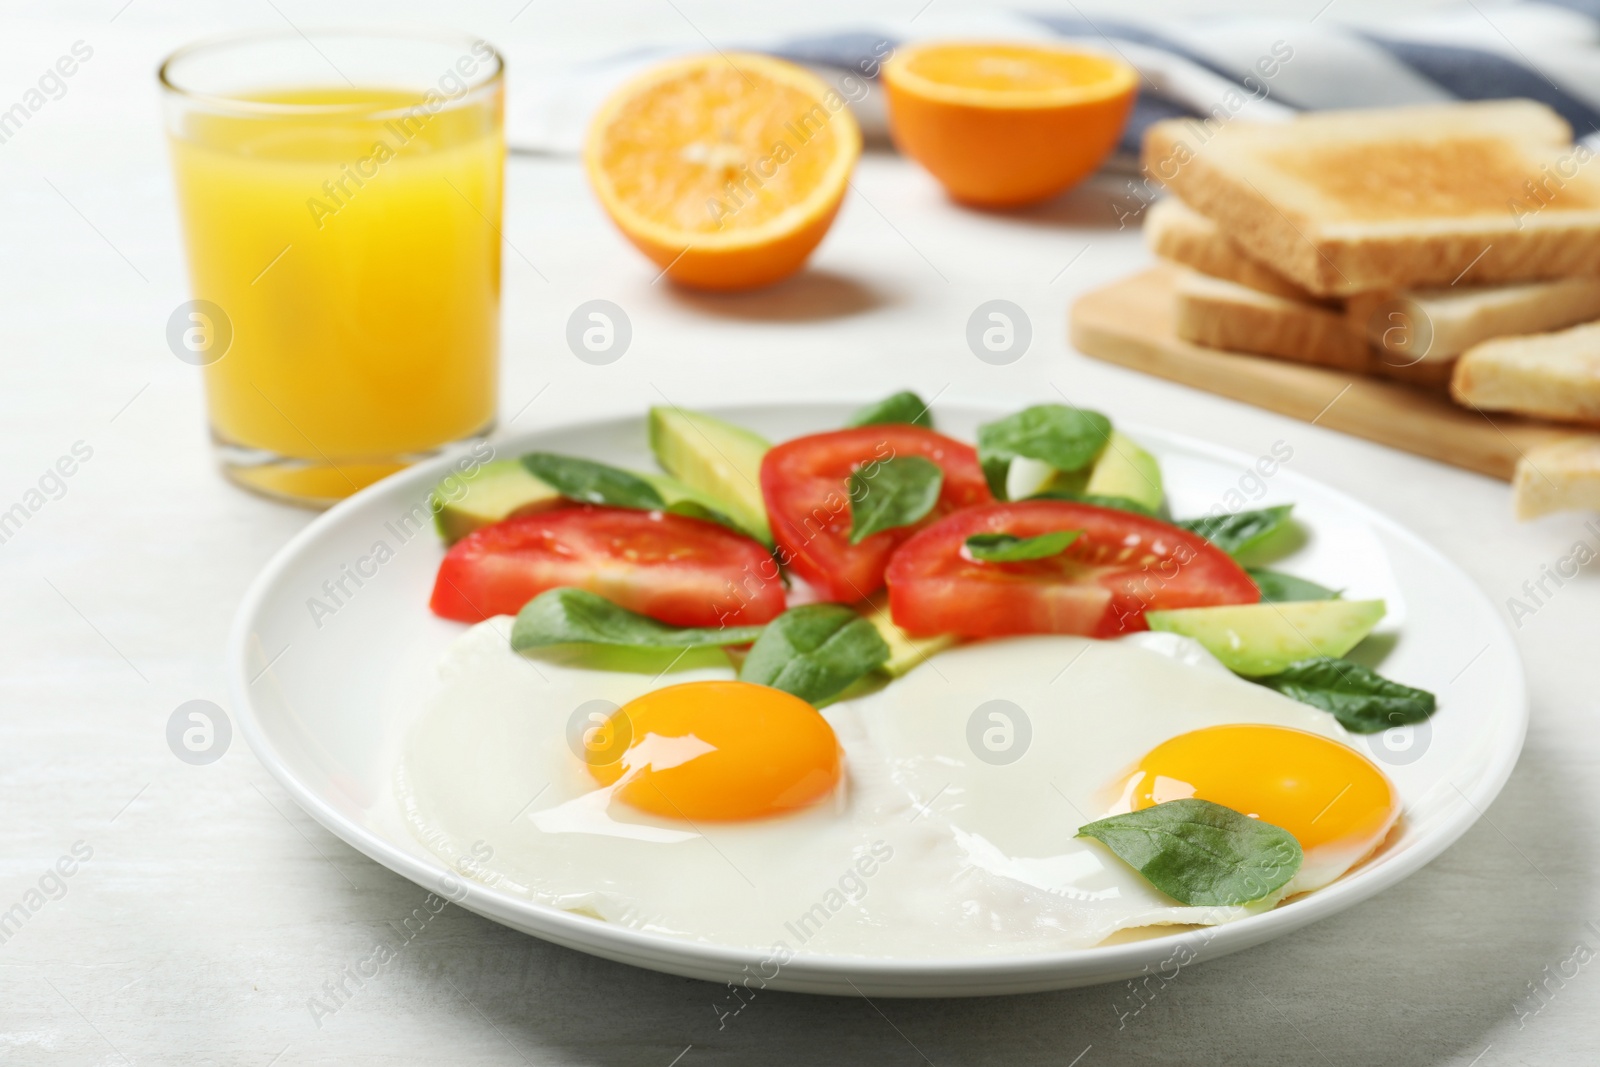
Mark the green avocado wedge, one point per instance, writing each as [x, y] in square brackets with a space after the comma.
[464, 502]
[1261, 639]
[717, 459]
[499, 490]
[1126, 470]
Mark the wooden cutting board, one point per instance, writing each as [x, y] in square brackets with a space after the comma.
[1130, 322]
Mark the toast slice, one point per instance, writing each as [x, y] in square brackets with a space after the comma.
[1175, 231]
[1548, 375]
[1563, 475]
[1345, 202]
[1218, 313]
[1432, 325]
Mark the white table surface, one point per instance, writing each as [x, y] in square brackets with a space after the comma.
[212, 909]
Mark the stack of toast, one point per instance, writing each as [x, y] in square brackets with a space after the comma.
[1452, 247]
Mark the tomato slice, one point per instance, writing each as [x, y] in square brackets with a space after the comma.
[680, 570]
[804, 483]
[1122, 566]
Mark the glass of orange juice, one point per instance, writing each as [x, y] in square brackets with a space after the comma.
[340, 194]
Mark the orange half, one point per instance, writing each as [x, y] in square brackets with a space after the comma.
[725, 170]
[1006, 124]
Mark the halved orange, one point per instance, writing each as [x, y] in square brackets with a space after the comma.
[725, 170]
[1006, 124]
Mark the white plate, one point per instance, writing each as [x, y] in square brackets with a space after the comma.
[324, 700]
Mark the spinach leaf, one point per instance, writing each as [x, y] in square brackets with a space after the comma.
[1100, 500]
[592, 483]
[815, 651]
[1065, 437]
[572, 616]
[895, 492]
[1364, 701]
[1008, 548]
[906, 408]
[1279, 588]
[1200, 853]
[1238, 530]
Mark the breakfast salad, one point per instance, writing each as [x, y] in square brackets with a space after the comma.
[878, 691]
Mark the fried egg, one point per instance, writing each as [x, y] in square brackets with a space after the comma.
[1018, 743]
[933, 817]
[517, 774]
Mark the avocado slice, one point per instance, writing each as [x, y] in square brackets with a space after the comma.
[905, 651]
[716, 458]
[1260, 639]
[463, 502]
[1124, 469]
[504, 488]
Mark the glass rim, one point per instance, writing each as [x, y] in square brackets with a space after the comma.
[239, 105]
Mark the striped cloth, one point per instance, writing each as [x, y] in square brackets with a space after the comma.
[1251, 67]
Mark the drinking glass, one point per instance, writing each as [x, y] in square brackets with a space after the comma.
[340, 193]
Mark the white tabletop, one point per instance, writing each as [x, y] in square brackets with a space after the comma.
[212, 910]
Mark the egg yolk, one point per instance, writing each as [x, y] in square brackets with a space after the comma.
[1322, 792]
[720, 751]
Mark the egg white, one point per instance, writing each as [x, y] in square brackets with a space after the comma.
[926, 851]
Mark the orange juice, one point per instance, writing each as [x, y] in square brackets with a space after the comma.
[352, 239]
